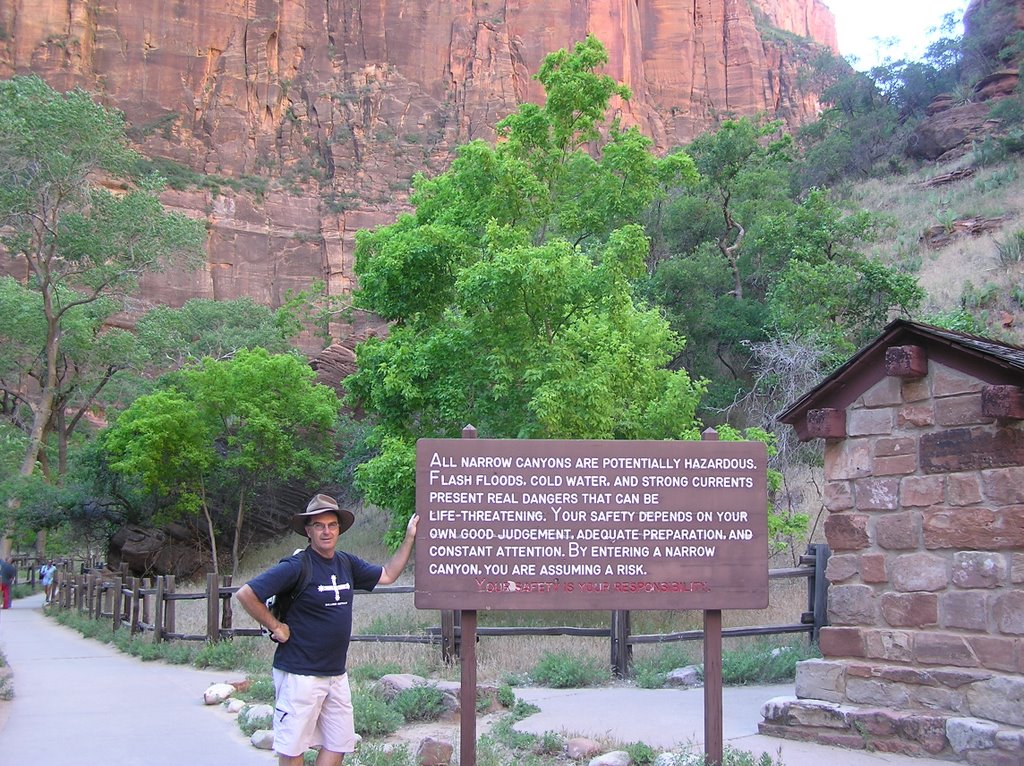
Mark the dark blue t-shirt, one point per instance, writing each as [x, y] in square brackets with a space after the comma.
[320, 618]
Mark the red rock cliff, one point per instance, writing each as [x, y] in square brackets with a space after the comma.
[339, 102]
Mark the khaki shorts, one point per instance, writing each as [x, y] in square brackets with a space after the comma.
[312, 710]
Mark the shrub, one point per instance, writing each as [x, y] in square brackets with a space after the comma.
[372, 671]
[764, 662]
[222, 655]
[249, 723]
[420, 703]
[560, 670]
[641, 754]
[373, 716]
[370, 754]
[1011, 249]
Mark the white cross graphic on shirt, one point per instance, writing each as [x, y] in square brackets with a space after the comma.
[335, 586]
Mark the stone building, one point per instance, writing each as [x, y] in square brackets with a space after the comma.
[924, 471]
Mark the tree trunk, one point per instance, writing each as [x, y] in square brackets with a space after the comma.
[210, 529]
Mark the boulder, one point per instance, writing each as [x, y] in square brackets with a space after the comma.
[217, 693]
[950, 129]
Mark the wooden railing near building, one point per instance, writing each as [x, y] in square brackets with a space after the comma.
[148, 605]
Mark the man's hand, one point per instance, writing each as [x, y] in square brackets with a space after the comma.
[281, 634]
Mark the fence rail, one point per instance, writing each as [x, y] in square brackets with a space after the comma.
[148, 605]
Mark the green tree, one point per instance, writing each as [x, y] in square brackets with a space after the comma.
[175, 337]
[220, 429]
[510, 289]
[65, 236]
[741, 161]
[90, 357]
[820, 285]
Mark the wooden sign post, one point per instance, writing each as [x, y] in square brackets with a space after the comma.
[595, 525]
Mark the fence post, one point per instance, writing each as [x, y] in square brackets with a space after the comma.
[622, 652]
[94, 595]
[147, 601]
[449, 645]
[80, 592]
[225, 605]
[169, 610]
[136, 604]
[158, 611]
[212, 607]
[118, 609]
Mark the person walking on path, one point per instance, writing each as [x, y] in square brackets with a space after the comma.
[8, 574]
[313, 704]
[77, 700]
[46, 574]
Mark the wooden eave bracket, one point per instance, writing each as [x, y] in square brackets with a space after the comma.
[1002, 402]
[906, 362]
[827, 423]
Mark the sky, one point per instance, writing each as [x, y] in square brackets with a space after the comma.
[866, 26]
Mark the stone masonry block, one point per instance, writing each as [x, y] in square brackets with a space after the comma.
[889, 645]
[920, 491]
[978, 569]
[842, 567]
[963, 488]
[873, 422]
[852, 605]
[960, 411]
[877, 723]
[970, 734]
[885, 393]
[1016, 568]
[848, 459]
[920, 572]
[838, 496]
[1008, 611]
[841, 642]
[898, 531]
[910, 610]
[966, 609]
[997, 652]
[973, 528]
[876, 692]
[949, 382]
[821, 680]
[955, 450]
[929, 731]
[872, 568]
[1003, 486]
[999, 699]
[876, 494]
[847, 531]
[893, 447]
[917, 390]
[896, 465]
[915, 415]
[935, 648]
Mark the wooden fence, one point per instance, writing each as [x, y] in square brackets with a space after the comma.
[148, 605]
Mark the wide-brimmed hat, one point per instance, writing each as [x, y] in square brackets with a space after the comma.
[323, 504]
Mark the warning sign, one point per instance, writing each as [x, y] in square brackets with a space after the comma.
[596, 525]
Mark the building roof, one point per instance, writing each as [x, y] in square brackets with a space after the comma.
[992, 362]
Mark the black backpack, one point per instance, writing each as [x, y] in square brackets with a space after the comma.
[280, 603]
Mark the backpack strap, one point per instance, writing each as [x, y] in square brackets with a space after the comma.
[305, 573]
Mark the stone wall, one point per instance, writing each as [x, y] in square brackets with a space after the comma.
[925, 650]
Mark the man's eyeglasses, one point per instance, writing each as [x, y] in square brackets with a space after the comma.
[320, 527]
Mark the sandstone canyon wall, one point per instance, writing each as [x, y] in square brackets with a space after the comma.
[335, 104]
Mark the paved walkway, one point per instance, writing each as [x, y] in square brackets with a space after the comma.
[80, 701]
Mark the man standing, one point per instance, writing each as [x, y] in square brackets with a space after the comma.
[8, 574]
[313, 700]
